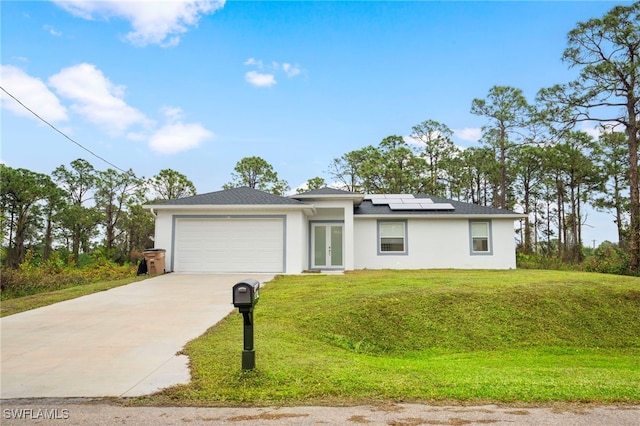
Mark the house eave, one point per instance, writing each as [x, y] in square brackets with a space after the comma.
[307, 209]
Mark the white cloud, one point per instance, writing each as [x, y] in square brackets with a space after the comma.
[152, 21]
[253, 61]
[259, 79]
[468, 134]
[596, 129]
[177, 137]
[173, 114]
[412, 141]
[51, 30]
[96, 98]
[101, 102]
[290, 70]
[32, 92]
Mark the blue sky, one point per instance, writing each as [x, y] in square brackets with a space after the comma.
[195, 86]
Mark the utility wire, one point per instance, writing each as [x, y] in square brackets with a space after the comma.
[59, 131]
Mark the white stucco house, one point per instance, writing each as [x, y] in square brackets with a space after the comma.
[246, 230]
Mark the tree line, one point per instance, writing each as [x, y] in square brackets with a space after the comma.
[77, 209]
[531, 158]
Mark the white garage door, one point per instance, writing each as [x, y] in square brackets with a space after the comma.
[229, 245]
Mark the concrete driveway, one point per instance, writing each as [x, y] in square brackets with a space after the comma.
[120, 342]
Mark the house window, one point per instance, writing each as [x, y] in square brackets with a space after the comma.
[480, 237]
[392, 237]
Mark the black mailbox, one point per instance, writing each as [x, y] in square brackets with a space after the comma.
[246, 293]
[245, 296]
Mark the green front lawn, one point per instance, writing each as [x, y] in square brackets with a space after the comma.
[474, 336]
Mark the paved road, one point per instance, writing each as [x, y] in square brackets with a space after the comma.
[120, 342]
[77, 412]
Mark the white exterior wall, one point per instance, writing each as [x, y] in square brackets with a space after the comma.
[296, 249]
[431, 242]
[435, 243]
[163, 235]
[295, 233]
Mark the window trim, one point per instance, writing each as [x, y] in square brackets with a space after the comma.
[489, 251]
[405, 226]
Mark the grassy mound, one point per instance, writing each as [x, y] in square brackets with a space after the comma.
[476, 317]
[427, 335]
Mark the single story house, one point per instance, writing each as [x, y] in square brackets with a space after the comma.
[246, 230]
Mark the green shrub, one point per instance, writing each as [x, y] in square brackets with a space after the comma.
[609, 259]
[606, 259]
[536, 261]
[34, 277]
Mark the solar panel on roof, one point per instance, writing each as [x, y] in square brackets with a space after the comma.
[387, 196]
[401, 206]
[406, 202]
[414, 200]
[397, 196]
[379, 201]
[425, 206]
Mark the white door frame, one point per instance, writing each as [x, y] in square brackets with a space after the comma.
[328, 225]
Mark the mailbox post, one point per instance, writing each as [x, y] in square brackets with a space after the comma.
[246, 294]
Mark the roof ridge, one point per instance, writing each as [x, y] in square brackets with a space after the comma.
[242, 195]
[327, 190]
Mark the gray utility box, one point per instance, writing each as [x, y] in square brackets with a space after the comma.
[246, 293]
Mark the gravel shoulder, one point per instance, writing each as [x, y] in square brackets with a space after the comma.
[109, 412]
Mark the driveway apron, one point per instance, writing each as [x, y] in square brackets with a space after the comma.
[120, 342]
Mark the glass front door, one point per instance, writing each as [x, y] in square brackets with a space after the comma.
[326, 244]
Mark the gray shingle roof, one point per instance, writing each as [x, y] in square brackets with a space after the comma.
[248, 196]
[235, 196]
[366, 207]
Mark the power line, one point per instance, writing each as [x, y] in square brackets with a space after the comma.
[61, 132]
